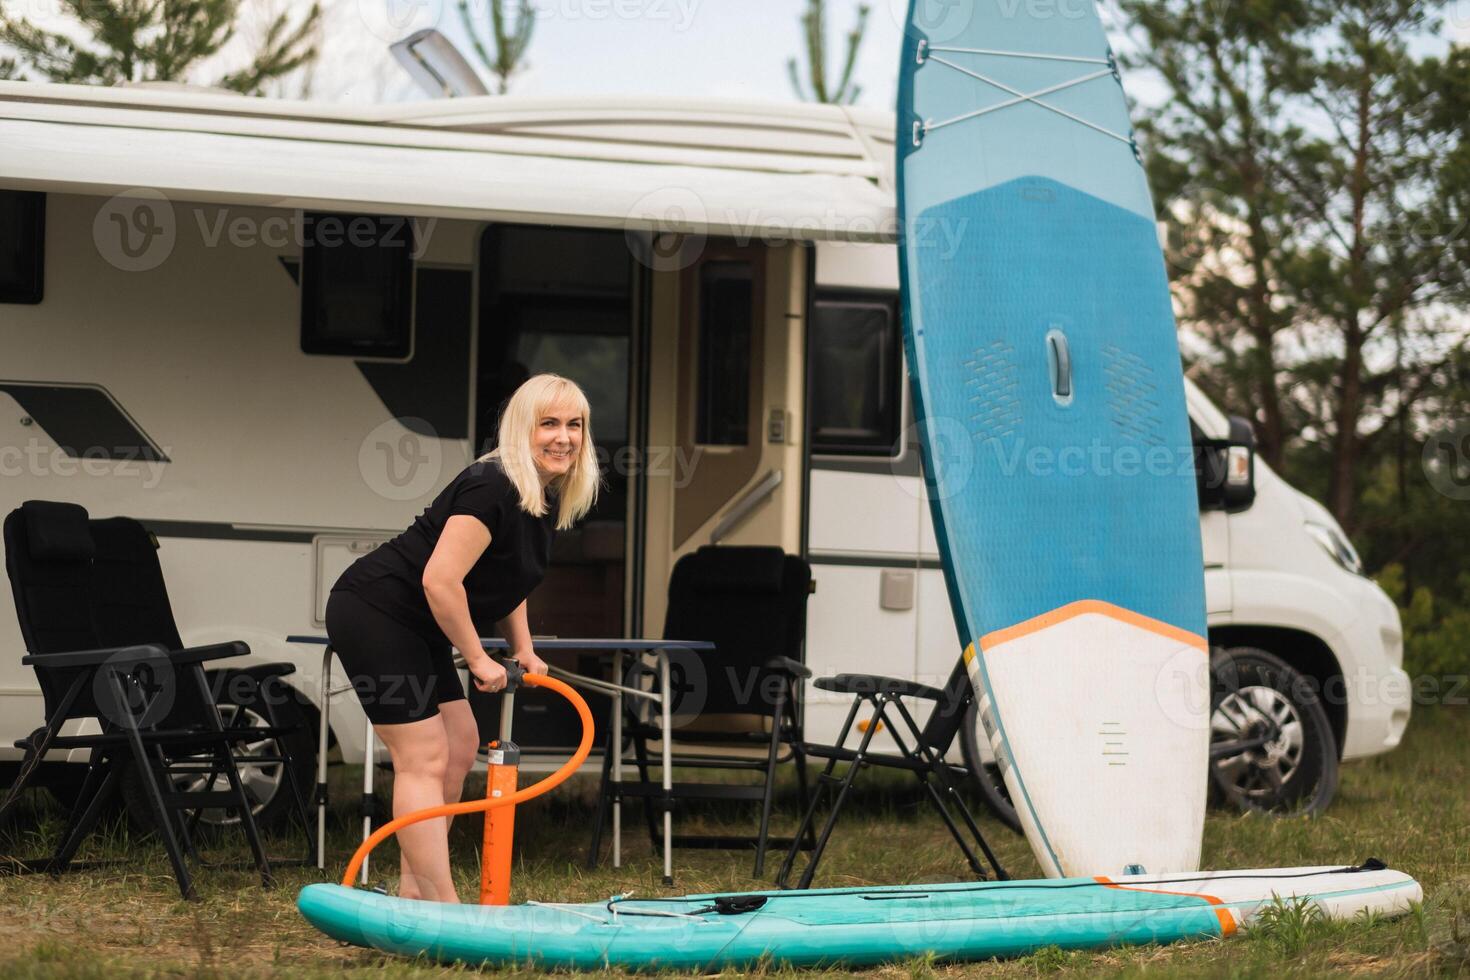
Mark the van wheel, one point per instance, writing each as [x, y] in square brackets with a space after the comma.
[984, 773]
[242, 704]
[1271, 744]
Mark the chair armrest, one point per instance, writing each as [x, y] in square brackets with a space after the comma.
[793, 667]
[878, 684]
[93, 658]
[213, 651]
[263, 672]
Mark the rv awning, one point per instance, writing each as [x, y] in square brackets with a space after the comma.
[339, 166]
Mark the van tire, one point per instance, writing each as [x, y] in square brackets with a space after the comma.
[1255, 693]
[278, 807]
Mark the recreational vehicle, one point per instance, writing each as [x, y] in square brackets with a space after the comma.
[272, 330]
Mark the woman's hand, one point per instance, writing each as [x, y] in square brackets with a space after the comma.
[489, 676]
[532, 663]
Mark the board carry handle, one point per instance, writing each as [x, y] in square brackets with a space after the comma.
[584, 748]
[1059, 355]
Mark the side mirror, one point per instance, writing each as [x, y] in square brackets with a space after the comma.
[1226, 469]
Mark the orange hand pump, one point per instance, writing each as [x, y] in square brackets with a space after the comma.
[501, 796]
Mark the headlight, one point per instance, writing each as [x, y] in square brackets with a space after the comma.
[1336, 544]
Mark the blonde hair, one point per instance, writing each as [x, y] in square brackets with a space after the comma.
[576, 489]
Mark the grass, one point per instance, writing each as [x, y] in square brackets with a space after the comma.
[1411, 808]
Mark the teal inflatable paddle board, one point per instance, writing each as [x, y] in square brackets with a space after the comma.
[1050, 398]
[846, 926]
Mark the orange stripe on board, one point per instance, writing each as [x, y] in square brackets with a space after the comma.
[1227, 921]
[1082, 608]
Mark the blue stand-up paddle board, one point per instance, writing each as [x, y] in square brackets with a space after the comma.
[1050, 396]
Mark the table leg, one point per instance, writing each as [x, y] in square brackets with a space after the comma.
[615, 746]
[665, 701]
[321, 762]
[369, 763]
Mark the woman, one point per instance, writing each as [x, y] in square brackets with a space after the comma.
[468, 560]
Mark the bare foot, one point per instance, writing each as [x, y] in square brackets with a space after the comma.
[421, 889]
[410, 887]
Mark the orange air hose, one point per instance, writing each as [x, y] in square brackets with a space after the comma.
[475, 806]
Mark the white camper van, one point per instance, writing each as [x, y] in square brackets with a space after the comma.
[179, 344]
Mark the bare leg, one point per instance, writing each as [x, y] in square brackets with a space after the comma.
[408, 882]
[463, 733]
[420, 751]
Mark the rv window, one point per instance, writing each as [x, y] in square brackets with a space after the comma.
[22, 246]
[856, 373]
[726, 316]
[356, 285]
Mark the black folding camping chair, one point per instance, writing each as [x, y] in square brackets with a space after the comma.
[920, 751]
[94, 615]
[751, 603]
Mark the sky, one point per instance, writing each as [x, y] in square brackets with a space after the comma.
[733, 49]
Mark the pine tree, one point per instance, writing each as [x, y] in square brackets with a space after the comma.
[156, 40]
[510, 43]
[1387, 219]
[1312, 164]
[1215, 158]
[814, 28]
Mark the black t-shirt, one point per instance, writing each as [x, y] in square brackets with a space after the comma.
[390, 578]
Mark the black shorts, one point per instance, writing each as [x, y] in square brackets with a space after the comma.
[399, 676]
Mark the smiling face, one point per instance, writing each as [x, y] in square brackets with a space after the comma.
[556, 441]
